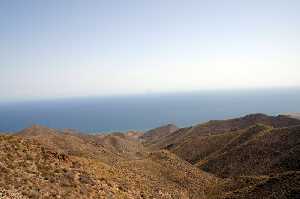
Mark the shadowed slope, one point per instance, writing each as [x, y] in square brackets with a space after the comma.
[269, 151]
[246, 152]
[282, 186]
[197, 142]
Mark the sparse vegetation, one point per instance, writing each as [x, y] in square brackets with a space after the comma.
[251, 157]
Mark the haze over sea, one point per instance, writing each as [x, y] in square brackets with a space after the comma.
[141, 112]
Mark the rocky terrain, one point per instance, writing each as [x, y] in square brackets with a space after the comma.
[256, 156]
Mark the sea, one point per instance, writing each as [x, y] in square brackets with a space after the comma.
[145, 111]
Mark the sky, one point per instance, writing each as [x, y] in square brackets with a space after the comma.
[62, 48]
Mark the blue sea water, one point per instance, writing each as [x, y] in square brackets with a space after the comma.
[142, 112]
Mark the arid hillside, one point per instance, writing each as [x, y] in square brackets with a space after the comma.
[40, 162]
[259, 150]
[197, 142]
[257, 155]
[153, 135]
[253, 157]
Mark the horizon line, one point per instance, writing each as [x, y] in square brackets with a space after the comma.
[145, 93]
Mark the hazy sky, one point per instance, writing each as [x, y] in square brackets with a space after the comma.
[59, 48]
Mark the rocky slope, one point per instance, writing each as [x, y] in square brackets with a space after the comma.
[281, 186]
[40, 162]
[108, 148]
[259, 150]
[197, 142]
[256, 156]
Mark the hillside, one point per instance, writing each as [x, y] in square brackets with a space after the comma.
[257, 151]
[252, 157]
[257, 155]
[197, 142]
[153, 135]
[108, 148]
[43, 162]
[28, 170]
[283, 186]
